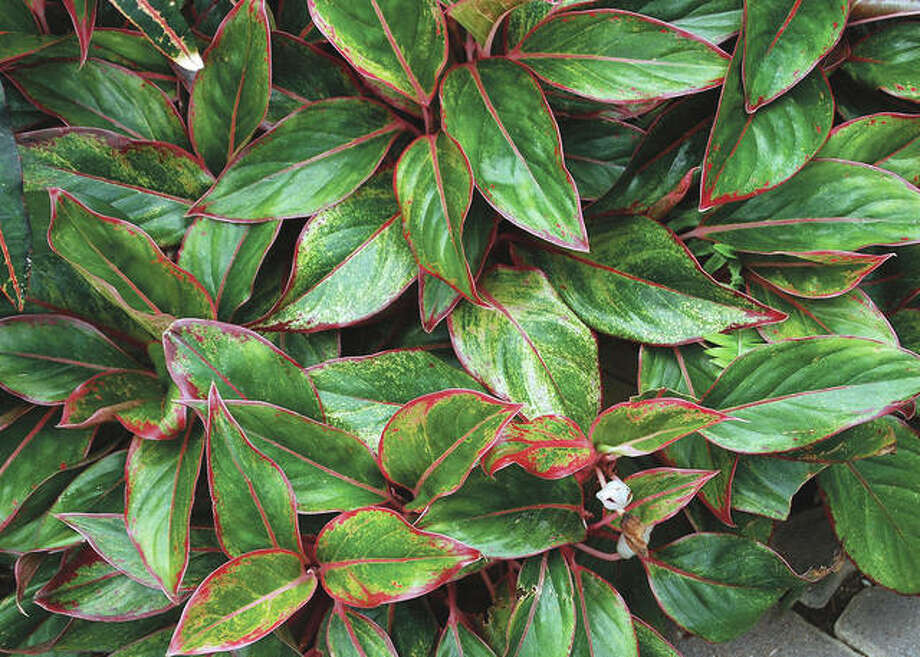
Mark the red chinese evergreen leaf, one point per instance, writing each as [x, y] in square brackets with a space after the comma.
[549, 446]
[644, 427]
[432, 443]
[162, 22]
[230, 96]
[83, 15]
[660, 493]
[604, 626]
[242, 601]
[350, 634]
[815, 275]
[373, 556]
[887, 140]
[543, 620]
[15, 231]
[888, 60]
[253, 502]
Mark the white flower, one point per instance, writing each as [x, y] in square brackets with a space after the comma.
[615, 495]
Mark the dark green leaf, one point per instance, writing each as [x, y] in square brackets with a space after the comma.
[604, 624]
[873, 438]
[889, 141]
[713, 20]
[457, 640]
[817, 275]
[166, 28]
[15, 230]
[597, 151]
[349, 634]
[543, 621]
[888, 60]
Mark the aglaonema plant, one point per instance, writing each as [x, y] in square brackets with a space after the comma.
[461, 329]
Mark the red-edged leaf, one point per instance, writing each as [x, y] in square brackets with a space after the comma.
[660, 493]
[253, 502]
[888, 60]
[543, 620]
[373, 556]
[137, 399]
[549, 446]
[814, 275]
[350, 634]
[457, 640]
[432, 443]
[83, 15]
[162, 22]
[241, 602]
[887, 140]
[604, 626]
[644, 427]
[865, 11]
[15, 231]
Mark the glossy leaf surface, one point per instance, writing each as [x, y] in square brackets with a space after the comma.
[640, 283]
[887, 140]
[873, 438]
[887, 60]
[818, 275]
[15, 231]
[350, 634]
[543, 621]
[604, 625]
[242, 601]
[596, 152]
[430, 445]
[660, 493]
[514, 148]
[529, 347]
[713, 20]
[549, 446]
[543, 513]
[765, 484]
[166, 28]
[230, 95]
[373, 556]
[457, 640]
[310, 160]
[796, 392]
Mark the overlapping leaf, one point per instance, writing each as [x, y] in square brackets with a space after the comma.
[350, 634]
[15, 231]
[887, 59]
[543, 620]
[604, 625]
[818, 275]
[887, 140]
[549, 446]
[166, 28]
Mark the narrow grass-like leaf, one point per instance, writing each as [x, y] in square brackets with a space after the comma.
[887, 59]
[497, 113]
[241, 602]
[549, 446]
[315, 157]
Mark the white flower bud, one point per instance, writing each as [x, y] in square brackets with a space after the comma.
[615, 495]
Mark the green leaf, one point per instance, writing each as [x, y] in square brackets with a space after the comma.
[125, 265]
[373, 556]
[102, 95]
[106, 534]
[620, 57]
[43, 358]
[245, 486]
[434, 186]
[31, 452]
[83, 15]
[432, 443]
[794, 393]
[510, 515]
[457, 640]
[713, 20]
[313, 158]
[887, 140]
[660, 493]
[529, 347]
[329, 469]
[783, 42]
[361, 394]
[151, 184]
[644, 427]
[226, 258]
[543, 621]
[640, 283]
[241, 363]
[242, 601]
[402, 43]
[873, 506]
[166, 28]
[651, 643]
[864, 11]
[355, 245]
[873, 438]
[349, 634]
[795, 126]
[604, 624]
[302, 73]
[137, 399]
[597, 151]
[309, 348]
[88, 587]
[852, 313]
[888, 60]
[717, 585]
[496, 111]
[816, 275]
[829, 205]
[765, 484]
[479, 16]
[159, 492]
[906, 323]
[230, 95]
[549, 446]
[15, 230]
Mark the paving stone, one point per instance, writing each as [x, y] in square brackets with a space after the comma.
[817, 595]
[779, 634]
[880, 623]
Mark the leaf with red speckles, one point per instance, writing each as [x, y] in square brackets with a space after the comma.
[241, 363]
[83, 15]
[795, 126]
[829, 205]
[637, 264]
[252, 499]
[543, 620]
[604, 626]
[163, 24]
[432, 443]
[550, 447]
[372, 556]
[713, 20]
[620, 57]
[124, 264]
[887, 140]
[160, 483]
[402, 43]
[793, 393]
[644, 427]
[90, 588]
[138, 399]
[888, 60]
[815, 275]
[785, 40]
[350, 634]
[230, 95]
[497, 113]
[242, 601]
